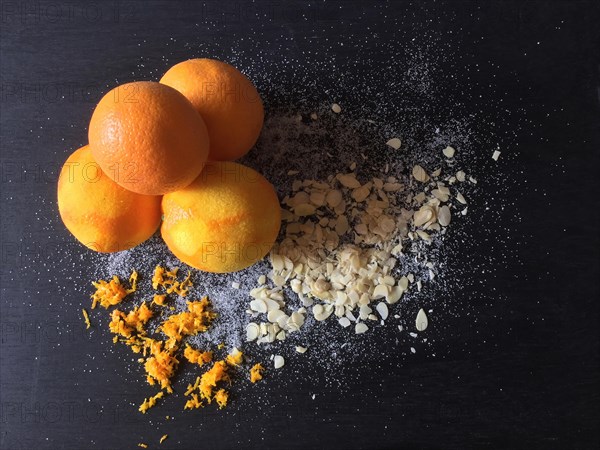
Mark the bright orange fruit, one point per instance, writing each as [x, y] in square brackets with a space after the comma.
[227, 101]
[101, 214]
[148, 138]
[225, 221]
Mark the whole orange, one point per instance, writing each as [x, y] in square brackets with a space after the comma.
[98, 212]
[225, 221]
[227, 101]
[148, 138]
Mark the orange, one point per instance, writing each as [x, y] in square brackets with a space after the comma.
[148, 138]
[225, 221]
[98, 212]
[227, 101]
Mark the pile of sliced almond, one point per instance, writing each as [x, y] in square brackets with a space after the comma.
[343, 240]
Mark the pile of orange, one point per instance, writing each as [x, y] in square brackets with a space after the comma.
[164, 150]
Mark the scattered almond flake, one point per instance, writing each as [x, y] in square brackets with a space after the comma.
[278, 361]
[348, 180]
[464, 211]
[460, 176]
[461, 199]
[360, 328]
[344, 321]
[382, 309]
[448, 152]
[314, 116]
[444, 216]
[395, 143]
[412, 350]
[293, 172]
[352, 165]
[258, 305]
[472, 180]
[413, 335]
[419, 174]
[336, 108]
[400, 328]
[235, 285]
[313, 396]
[440, 195]
[496, 155]
[300, 349]
[423, 235]
[423, 215]
[252, 332]
[305, 209]
[421, 321]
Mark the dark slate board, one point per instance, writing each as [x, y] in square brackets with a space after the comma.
[524, 375]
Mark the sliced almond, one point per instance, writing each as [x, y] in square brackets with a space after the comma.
[360, 328]
[278, 361]
[419, 174]
[383, 310]
[348, 180]
[252, 332]
[395, 143]
[444, 216]
[421, 321]
[448, 152]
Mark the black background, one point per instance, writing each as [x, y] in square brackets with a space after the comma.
[525, 374]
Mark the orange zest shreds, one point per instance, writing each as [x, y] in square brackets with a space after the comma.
[197, 319]
[163, 277]
[209, 379]
[86, 318]
[163, 438]
[115, 339]
[196, 356]
[133, 281]
[168, 280]
[256, 373]
[235, 358]
[134, 321]
[142, 445]
[193, 403]
[181, 288]
[205, 385]
[221, 397]
[108, 293]
[192, 387]
[150, 402]
[220, 346]
[159, 299]
[161, 366]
